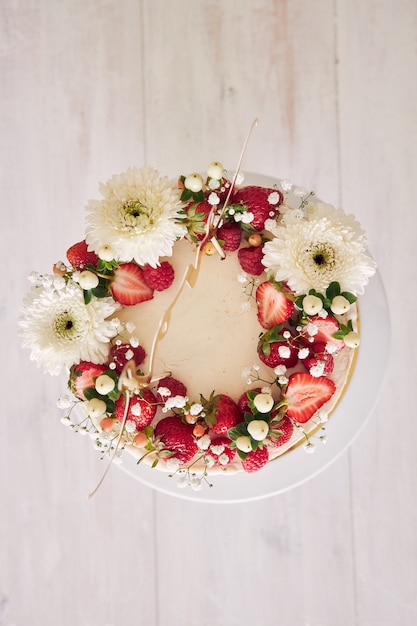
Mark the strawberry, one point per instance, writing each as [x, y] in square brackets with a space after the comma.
[176, 387]
[128, 285]
[83, 375]
[280, 353]
[250, 260]
[220, 451]
[230, 233]
[79, 256]
[196, 217]
[222, 413]
[160, 277]
[142, 408]
[176, 437]
[255, 460]
[306, 394]
[326, 327]
[260, 201]
[243, 402]
[273, 306]
[286, 428]
[124, 352]
[319, 355]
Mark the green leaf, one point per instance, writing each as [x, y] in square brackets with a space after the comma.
[88, 294]
[350, 297]
[90, 393]
[333, 290]
[186, 195]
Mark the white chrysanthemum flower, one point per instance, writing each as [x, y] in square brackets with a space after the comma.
[61, 329]
[311, 253]
[138, 216]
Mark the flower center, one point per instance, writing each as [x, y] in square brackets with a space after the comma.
[65, 326]
[136, 215]
[323, 257]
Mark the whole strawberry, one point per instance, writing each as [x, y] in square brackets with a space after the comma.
[141, 410]
[243, 402]
[255, 460]
[250, 260]
[79, 256]
[177, 438]
[160, 277]
[260, 201]
[83, 375]
[230, 233]
[222, 413]
[281, 432]
[120, 354]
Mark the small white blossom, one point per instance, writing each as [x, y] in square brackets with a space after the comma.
[323, 314]
[164, 391]
[245, 306]
[270, 224]
[284, 352]
[182, 482]
[282, 380]
[172, 464]
[274, 197]
[323, 416]
[247, 217]
[309, 447]
[129, 354]
[217, 449]
[134, 342]
[176, 402]
[204, 442]
[317, 370]
[312, 329]
[66, 420]
[303, 353]
[136, 410]
[196, 483]
[279, 370]
[239, 178]
[331, 347]
[300, 191]
[64, 403]
[130, 425]
[223, 459]
[242, 278]
[286, 185]
[210, 461]
[130, 327]
[286, 334]
[213, 183]
[196, 408]
[213, 199]
[246, 372]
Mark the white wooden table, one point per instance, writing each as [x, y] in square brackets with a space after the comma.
[90, 87]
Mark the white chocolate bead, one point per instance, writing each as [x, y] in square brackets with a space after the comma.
[340, 305]
[88, 280]
[193, 182]
[104, 384]
[312, 305]
[263, 402]
[96, 407]
[215, 170]
[258, 429]
[106, 253]
[243, 443]
[352, 339]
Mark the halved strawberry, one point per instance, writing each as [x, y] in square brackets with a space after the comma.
[306, 394]
[273, 306]
[326, 327]
[128, 285]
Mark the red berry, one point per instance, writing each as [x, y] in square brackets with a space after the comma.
[318, 355]
[142, 408]
[121, 354]
[326, 327]
[273, 305]
[305, 395]
[160, 277]
[219, 447]
[176, 387]
[250, 260]
[83, 375]
[79, 256]
[230, 233]
[243, 402]
[260, 201]
[222, 413]
[278, 353]
[128, 285]
[176, 437]
[255, 460]
[286, 428]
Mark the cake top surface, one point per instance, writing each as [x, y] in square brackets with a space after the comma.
[208, 325]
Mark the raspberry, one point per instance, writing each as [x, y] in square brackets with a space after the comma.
[230, 233]
[255, 460]
[250, 260]
[175, 386]
[159, 278]
[121, 354]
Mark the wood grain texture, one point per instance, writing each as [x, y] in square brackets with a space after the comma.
[91, 87]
